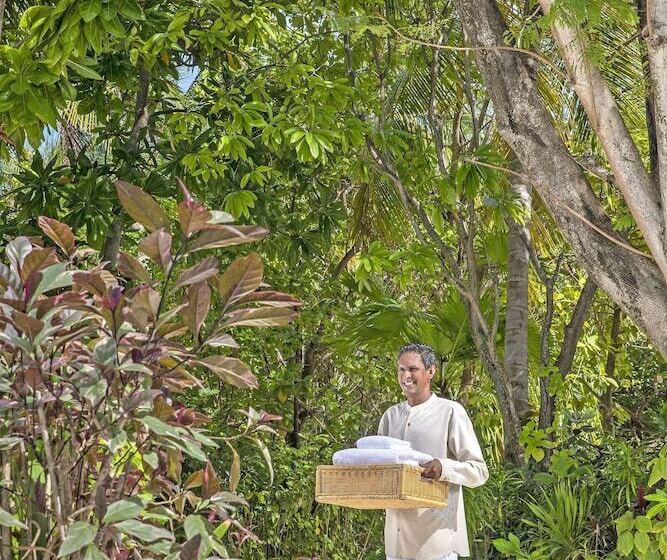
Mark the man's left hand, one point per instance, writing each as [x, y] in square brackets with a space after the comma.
[432, 469]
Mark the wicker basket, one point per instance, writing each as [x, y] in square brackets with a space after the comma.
[378, 487]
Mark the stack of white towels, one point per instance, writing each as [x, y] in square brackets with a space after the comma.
[380, 450]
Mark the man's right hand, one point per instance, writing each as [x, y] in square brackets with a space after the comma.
[432, 469]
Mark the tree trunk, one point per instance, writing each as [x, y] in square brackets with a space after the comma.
[607, 402]
[630, 278]
[568, 348]
[516, 309]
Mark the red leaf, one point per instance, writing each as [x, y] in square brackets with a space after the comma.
[142, 207]
[231, 370]
[130, 267]
[198, 305]
[216, 236]
[36, 260]
[61, 234]
[201, 271]
[242, 277]
[157, 247]
[261, 317]
[192, 216]
[275, 299]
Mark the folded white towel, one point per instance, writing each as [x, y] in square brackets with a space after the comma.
[382, 442]
[379, 457]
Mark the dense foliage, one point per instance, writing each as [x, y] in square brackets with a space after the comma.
[359, 139]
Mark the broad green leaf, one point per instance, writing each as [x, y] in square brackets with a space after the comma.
[142, 207]
[625, 522]
[161, 428]
[643, 523]
[84, 71]
[9, 520]
[123, 509]
[143, 531]
[61, 234]
[90, 9]
[626, 543]
[79, 535]
[642, 542]
[231, 370]
[93, 553]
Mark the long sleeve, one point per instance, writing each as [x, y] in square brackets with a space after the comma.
[466, 464]
[383, 427]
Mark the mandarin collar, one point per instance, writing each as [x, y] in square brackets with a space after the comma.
[423, 405]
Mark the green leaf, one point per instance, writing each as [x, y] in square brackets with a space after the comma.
[643, 523]
[123, 509]
[93, 553]
[626, 543]
[79, 535]
[9, 520]
[143, 531]
[267, 458]
[642, 542]
[130, 9]
[90, 9]
[84, 71]
[624, 523]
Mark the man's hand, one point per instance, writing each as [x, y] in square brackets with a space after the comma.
[432, 469]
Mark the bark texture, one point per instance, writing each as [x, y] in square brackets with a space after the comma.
[516, 309]
[632, 280]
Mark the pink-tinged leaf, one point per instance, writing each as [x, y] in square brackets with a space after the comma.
[218, 340]
[157, 247]
[16, 252]
[36, 260]
[130, 267]
[217, 236]
[260, 317]
[192, 216]
[144, 307]
[210, 483]
[242, 277]
[91, 282]
[61, 234]
[112, 298]
[197, 307]
[275, 299]
[142, 207]
[27, 324]
[190, 548]
[231, 370]
[201, 271]
[265, 417]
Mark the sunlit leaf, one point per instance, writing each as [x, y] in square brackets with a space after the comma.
[231, 370]
[142, 207]
[260, 317]
[61, 234]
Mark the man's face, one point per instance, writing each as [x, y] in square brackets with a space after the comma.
[414, 378]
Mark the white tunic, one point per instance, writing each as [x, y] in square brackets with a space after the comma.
[442, 429]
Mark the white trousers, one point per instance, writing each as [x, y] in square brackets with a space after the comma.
[450, 556]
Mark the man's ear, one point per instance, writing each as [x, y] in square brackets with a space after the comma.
[431, 372]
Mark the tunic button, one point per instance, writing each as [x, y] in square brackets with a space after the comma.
[409, 424]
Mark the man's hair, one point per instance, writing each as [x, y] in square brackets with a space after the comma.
[425, 352]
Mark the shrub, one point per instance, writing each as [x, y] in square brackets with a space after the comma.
[92, 437]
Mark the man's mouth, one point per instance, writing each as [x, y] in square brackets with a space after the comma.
[408, 383]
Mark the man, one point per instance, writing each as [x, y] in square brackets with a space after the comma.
[442, 429]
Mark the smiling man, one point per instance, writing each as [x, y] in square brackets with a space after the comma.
[442, 429]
